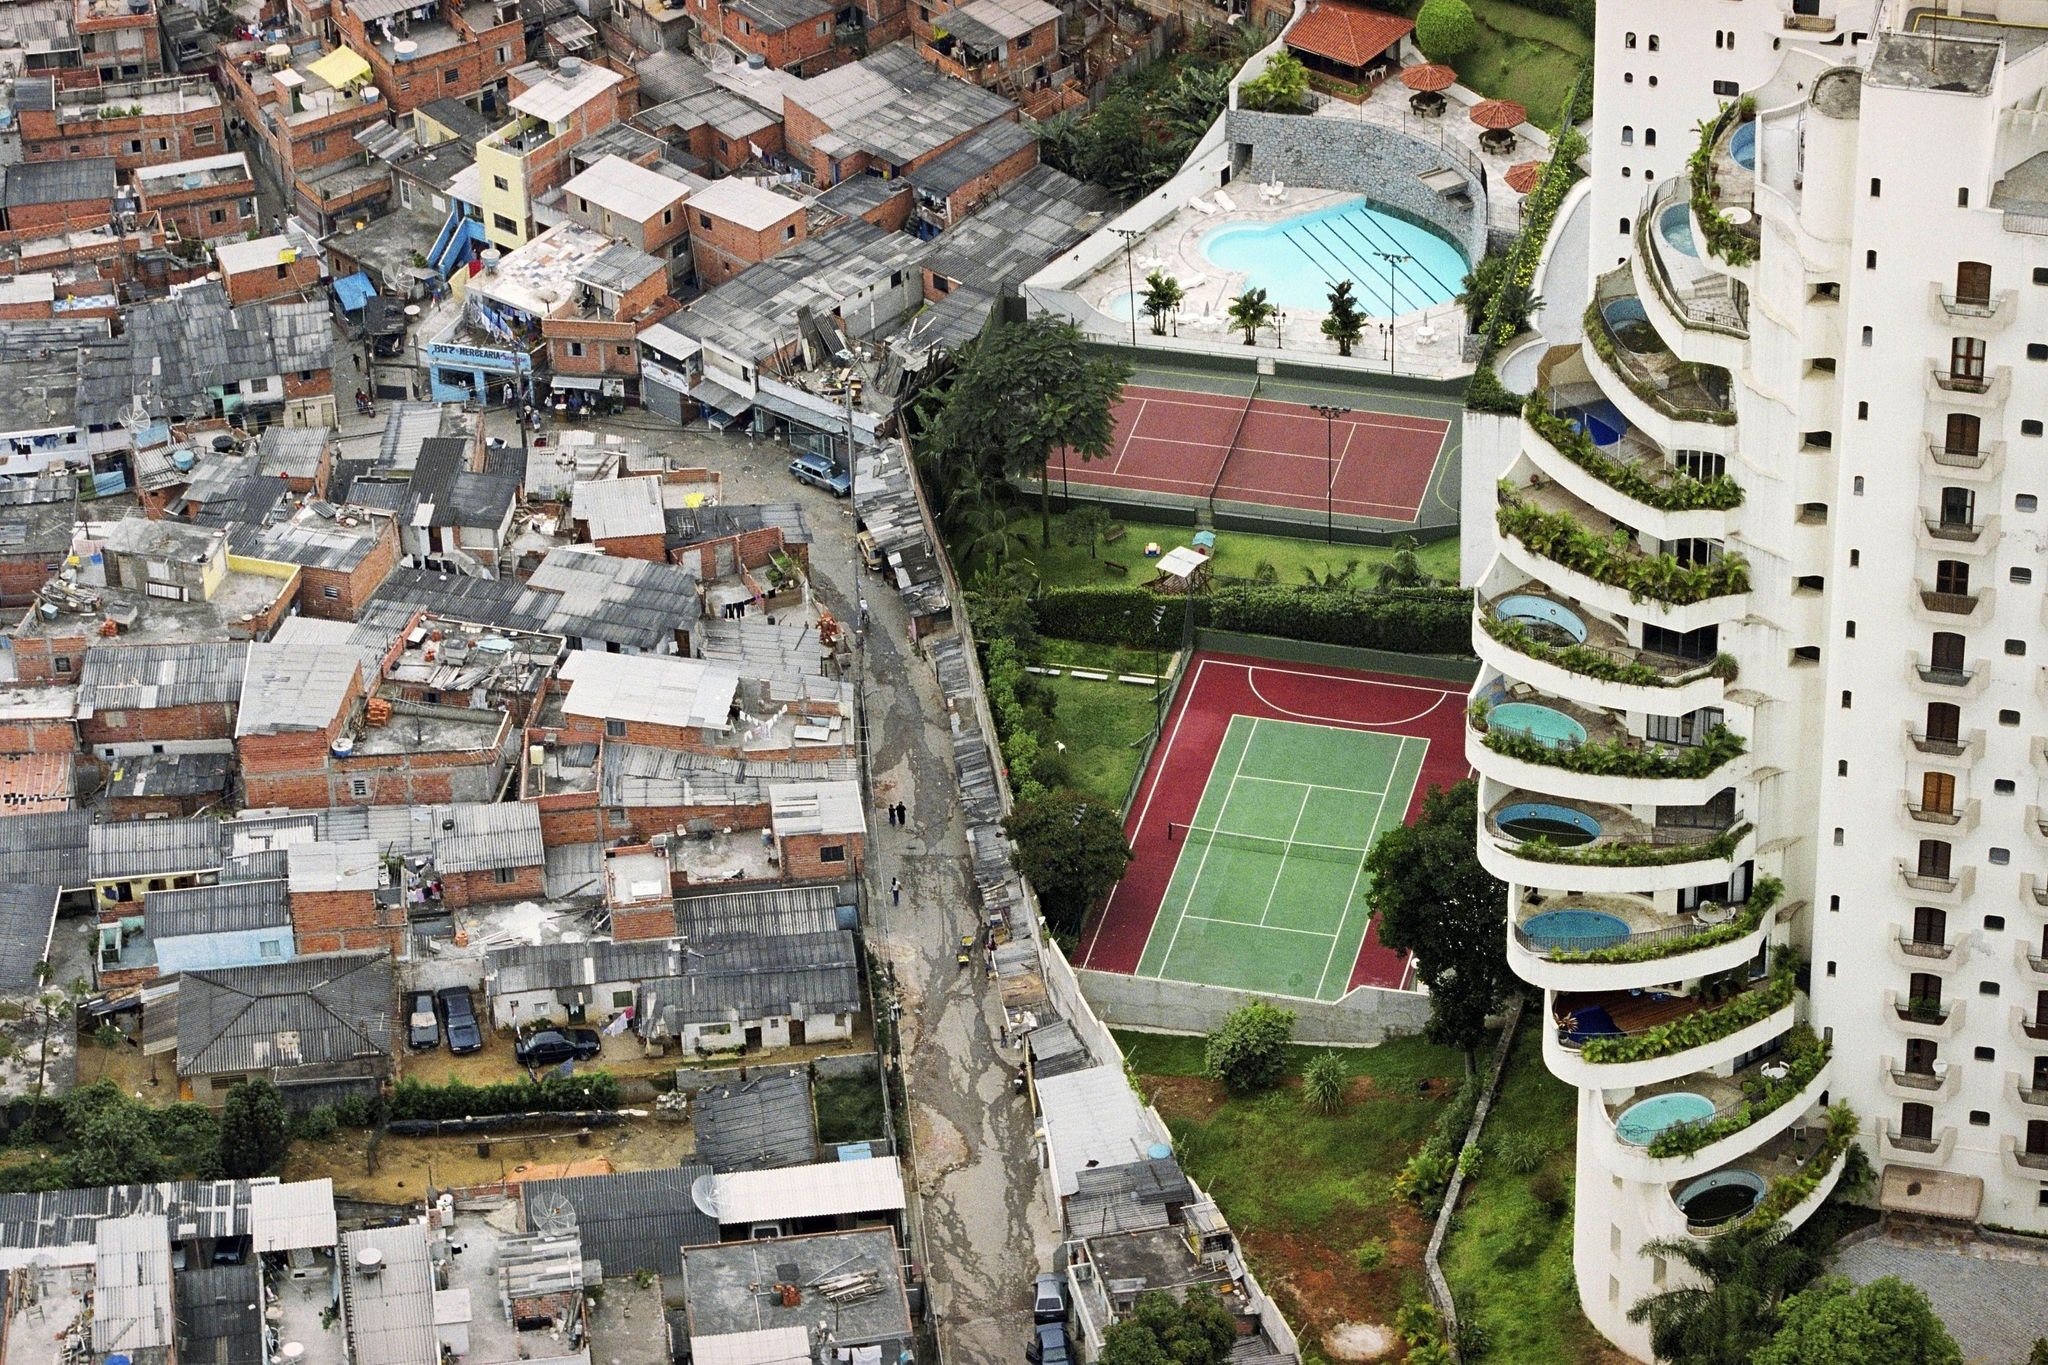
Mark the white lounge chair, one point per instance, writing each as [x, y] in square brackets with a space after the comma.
[1224, 202]
[1201, 205]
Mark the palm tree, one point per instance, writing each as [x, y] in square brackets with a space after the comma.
[1189, 105]
[1346, 324]
[1249, 312]
[1742, 1276]
[1162, 295]
[1403, 569]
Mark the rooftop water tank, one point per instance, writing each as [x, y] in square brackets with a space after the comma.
[371, 94]
[183, 459]
[572, 67]
[343, 746]
[755, 61]
[405, 49]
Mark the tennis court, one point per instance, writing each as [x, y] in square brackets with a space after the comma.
[1251, 826]
[1265, 890]
[1258, 444]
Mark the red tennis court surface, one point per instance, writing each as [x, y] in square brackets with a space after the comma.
[1218, 687]
[1266, 452]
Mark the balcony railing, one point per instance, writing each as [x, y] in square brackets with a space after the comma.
[1954, 381]
[1923, 1012]
[1973, 306]
[1958, 457]
[2034, 1028]
[1920, 881]
[1918, 1080]
[1939, 744]
[1923, 948]
[1946, 677]
[1930, 815]
[1952, 603]
[1924, 1146]
[1964, 531]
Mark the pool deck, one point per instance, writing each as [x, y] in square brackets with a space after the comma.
[1600, 726]
[1601, 635]
[1617, 826]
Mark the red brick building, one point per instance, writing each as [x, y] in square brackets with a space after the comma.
[990, 42]
[266, 268]
[339, 899]
[640, 206]
[208, 198]
[461, 51]
[639, 892]
[492, 854]
[888, 112]
[819, 828]
[735, 223]
[303, 689]
[622, 517]
[50, 196]
[342, 560]
[139, 123]
[952, 185]
[168, 699]
[119, 40]
[304, 121]
[34, 539]
[38, 720]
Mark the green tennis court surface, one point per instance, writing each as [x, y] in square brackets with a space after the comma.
[1267, 888]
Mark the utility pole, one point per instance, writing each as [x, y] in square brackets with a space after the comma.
[1331, 412]
[1130, 236]
[1390, 257]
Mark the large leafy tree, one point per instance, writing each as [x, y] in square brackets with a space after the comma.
[1886, 1322]
[115, 1146]
[1434, 900]
[1279, 88]
[1728, 1311]
[1072, 847]
[254, 1132]
[1021, 392]
[1163, 1330]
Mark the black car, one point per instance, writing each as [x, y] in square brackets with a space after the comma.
[1049, 1345]
[422, 1025]
[553, 1046]
[458, 1011]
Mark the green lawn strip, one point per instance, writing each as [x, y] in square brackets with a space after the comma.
[1238, 555]
[1103, 725]
[1396, 1065]
[1523, 56]
[1553, 29]
[1110, 659]
[1508, 1259]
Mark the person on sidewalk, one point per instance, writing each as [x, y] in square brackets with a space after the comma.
[895, 891]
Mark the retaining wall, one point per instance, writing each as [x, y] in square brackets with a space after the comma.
[1366, 1017]
[1438, 666]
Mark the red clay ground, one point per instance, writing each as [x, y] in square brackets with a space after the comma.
[1180, 442]
[1220, 686]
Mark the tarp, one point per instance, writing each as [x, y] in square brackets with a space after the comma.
[341, 68]
[354, 291]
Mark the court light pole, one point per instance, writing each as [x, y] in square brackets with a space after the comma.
[1130, 236]
[1331, 412]
[1391, 258]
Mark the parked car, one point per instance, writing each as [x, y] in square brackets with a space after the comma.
[458, 1011]
[870, 554]
[1049, 1345]
[820, 472]
[1049, 1299]
[422, 1025]
[553, 1046]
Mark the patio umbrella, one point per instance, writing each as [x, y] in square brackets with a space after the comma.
[1523, 175]
[1433, 76]
[1499, 115]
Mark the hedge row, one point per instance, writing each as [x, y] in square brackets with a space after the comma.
[1400, 620]
[586, 1090]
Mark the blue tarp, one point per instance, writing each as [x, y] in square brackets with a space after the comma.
[354, 291]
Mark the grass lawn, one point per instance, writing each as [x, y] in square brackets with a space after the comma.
[1524, 56]
[849, 1109]
[1301, 1216]
[1103, 725]
[1238, 555]
[1509, 1257]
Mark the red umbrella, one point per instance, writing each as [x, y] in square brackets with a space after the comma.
[1499, 115]
[1523, 175]
[1434, 76]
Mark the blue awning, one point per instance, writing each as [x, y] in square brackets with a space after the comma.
[354, 291]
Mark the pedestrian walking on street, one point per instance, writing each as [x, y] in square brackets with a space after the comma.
[895, 891]
[902, 813]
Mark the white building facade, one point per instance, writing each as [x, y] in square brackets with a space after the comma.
[1762, 722]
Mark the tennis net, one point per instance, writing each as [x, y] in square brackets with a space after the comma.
[1228, 840]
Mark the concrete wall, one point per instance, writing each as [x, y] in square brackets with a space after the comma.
[1366, 1017]
[1345, 154]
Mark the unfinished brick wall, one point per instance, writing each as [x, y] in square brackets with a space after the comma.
[463, 889]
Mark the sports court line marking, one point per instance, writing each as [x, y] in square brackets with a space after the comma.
[1280, 872]
[1420, 399]
[1247, 924]
[1400, 749]
[1252, 682]
[1203, 862]
[1312, 786]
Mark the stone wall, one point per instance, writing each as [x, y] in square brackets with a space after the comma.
[1365, 158]
[1366, 1017]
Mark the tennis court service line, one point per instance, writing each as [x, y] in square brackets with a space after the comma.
[1203, 861]
[1280, 873]
[1269, 928]
[1400, 748]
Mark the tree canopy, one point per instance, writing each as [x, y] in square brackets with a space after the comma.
[1250, 1050]
[1445, 29]
[1163, 1330]
[1886, 1322]
[1279, 88]
[1072, 847]
[254, 1131]
[1728, 1312]
[1434, 900]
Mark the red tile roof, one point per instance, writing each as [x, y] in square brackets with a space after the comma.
[1350, 35]
[31, 783]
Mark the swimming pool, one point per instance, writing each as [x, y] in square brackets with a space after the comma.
[1575, 931]
[1561, 825]
[1546, 725]
[1601, 421]
[1639, 1124]
[1296, 259]
[1675, 223]
[1541, 611]
[1743, 146]
[1721, 1197]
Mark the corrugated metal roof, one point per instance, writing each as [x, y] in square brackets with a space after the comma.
[299, 679]
[622, 187]
[656, 689]
[761, 1122]
[338, 865]
[817, 808]
[558, 966]
[83, 179]
[131, 1309]
[640, 775]
[220, 1315]
[753, 978]
[1092, 1117]
[230, 907]
[810, 909]
[48, 848]
[632, 1220]
[767, 1346]
[289, 1217]
[490, 835]
[619, 507]
[28, 916]
[389, 1315]
[310, 1011]
[118, 677]
[824, 1190]
[977, 155]
[67, 1218]
[893, 105]
[555, 95]
[169, 775]
[154, 848]
[604, 600]
[1034, 218]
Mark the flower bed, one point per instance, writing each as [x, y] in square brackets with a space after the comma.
[1682, 493]
[1804, 1056]
[1614, 560]
[1595, 663]
[1619, 758]
[1723, 238]
[1763, 898]
[1699, 1028]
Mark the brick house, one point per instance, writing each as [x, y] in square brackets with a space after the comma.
[167, 701]
[342, 559]
[458, 51]
[138, 124]
[735, 223]
[207, 198]
[266, 268]
[639, 892]
[34, 539]
[639, 206]
[623, 606]
[299, 692]
[52, 196]
[990, 42]
[301, 456]
[955, 183]
[889, 112]
[736, 536]
[789, 35]
[593, 336]
[303, 122]
[662, 701]
[819, 828]
[38, 720]
[339, 1010]
[622, 517]
[554, 111]
[719, 127]
[119, 40]
[335, 900]
[492, 854]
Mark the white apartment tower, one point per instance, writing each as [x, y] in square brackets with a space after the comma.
[1762, 721]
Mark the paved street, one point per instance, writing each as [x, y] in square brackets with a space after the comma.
[985, 1227]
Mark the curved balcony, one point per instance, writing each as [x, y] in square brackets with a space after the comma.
[1967, 538]
[1975, 315]
[1790, 1156]
[1629, 347]
[1960, 752]
[1651, 1030]
[1924, 1018]
[1532, 838]
[1762, 1085]
[2034, 1029]
[1628, 480]
[1953, 889]
[1609, 765]
[2026, 1094]
[1543, 647]
[1645, 949]
[1699, 308]
[1931, 821]
[1721, 191]
[1549, 535]
[1940, 683]
[2028, 961]
[1984, 392]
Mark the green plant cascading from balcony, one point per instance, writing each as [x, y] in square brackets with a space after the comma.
[1788, 1192]
[1701, 1027]
[1724, 239]
[1720, 848]
[1615, 560]
[1763, 898]
[1602, 341]
[1619, 757]
[1595, 663]
[1682, 493]
[1804, 1056]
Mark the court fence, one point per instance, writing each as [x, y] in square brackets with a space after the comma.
[1363, 1017]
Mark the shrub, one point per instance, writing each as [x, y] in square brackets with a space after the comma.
[1616, 560]
[1485, 393]
[1596, 663]
[1400, 620]
[1723, 238]
[1322, 1083]
[1677, 492]
[1547, 1188]
[1699, 1028]
[1516, 1153]
[1370, 1256]
[1787, 1192]
[1424, 1176]
[1763, 898]
[1619, 758]
[1445, 29]
[1716, 849]
[552, 1094]
[1250, 1050]
[315, 1125]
